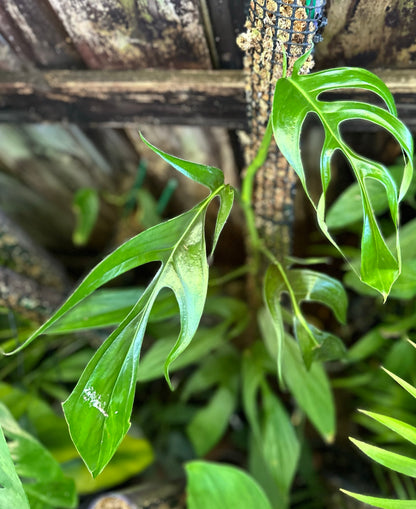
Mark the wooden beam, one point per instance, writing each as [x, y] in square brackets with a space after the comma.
[120, 98]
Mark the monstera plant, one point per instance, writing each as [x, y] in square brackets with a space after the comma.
[285, 345]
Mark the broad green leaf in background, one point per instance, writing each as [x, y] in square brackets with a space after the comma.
[86, 205]
[274, 438]
[214, 485]
[311, 389]
[210, 422]
[305, 285]
[44, 481]
[11, 490]
[98, 410]
[294, 99]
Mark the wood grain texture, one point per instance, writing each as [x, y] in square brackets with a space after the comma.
[117, 99]
[125, 97]
[369, 33]
[134, 34]
[36, 35]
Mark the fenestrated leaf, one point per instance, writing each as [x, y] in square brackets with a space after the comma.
[99, 408]
[44, 479]
[298, 96]
[382, 503]
[347, 208]
[213, 485]
[11, 489]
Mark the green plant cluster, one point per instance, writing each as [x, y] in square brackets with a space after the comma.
[269, 387]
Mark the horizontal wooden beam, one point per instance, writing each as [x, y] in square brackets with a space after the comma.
[120, 98]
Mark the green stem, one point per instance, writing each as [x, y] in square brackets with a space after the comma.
[247, 192]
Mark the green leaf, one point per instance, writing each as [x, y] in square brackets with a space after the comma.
[86, 205]
[214, 485]
[275, 440]
[305, 285]
[310, 388]
[280, 445]
[131, 458]
[44, 479]
[11, 489]
[209, 424]
[382, 503]
[99, 408]
[405, 430]
[103, 308]
[408, 387]
[208, 176]
[295, 98]
[396, 462]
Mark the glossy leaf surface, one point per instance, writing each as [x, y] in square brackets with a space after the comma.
[213, 485]
[305, 285]
[295, 98]
[98, 410]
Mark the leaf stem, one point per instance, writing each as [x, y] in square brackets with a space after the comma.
[247, 193]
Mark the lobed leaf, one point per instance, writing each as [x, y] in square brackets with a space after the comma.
[99, 408]
[295, 98]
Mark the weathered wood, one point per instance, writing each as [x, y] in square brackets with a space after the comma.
[124, 97]
[226, 21]
[42, 166]
[117, 99]
[36, 35]
[126, 34]
[369, 33]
